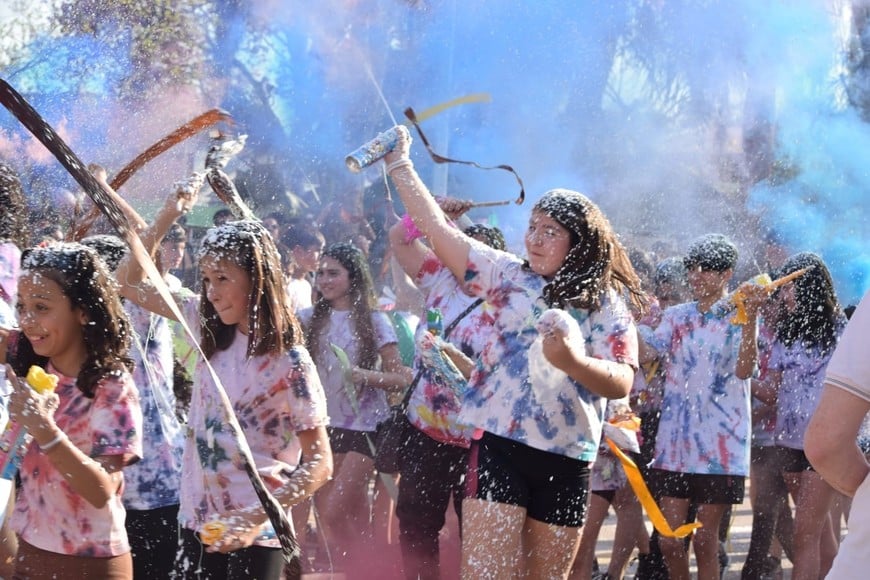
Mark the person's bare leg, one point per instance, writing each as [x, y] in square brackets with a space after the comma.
[491, 539]
[598, 508]
[675, 511]
[706, 540]
[548, 549]
[630, 531]
[812, 498]
[343, 507]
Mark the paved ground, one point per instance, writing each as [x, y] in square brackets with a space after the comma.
[741, 528]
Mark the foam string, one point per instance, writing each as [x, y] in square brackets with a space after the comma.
[30, 118]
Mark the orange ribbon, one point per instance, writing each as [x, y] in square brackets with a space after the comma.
[635, 479]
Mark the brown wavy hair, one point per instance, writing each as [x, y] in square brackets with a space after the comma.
[596, 261]
[84, 279]
[363, 303]
[273, 328]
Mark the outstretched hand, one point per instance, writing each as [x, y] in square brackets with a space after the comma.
[185, 193]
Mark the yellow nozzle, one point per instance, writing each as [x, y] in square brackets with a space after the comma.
[41, 381]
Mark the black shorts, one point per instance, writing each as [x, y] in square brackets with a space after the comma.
[793, 460]
[553, 488]
[606, 494]
[697, 487]
[347, 440]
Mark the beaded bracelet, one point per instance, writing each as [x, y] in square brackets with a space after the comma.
[53, 443]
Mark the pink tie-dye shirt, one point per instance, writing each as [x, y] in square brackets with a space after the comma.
[49, 514]
[434, 406]
[273, 397]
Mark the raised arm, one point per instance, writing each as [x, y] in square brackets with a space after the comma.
[747, 356]
[450, 245]
[408, 251]
[130, 273]
[131, 214]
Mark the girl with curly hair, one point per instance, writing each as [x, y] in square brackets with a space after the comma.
[69, 516]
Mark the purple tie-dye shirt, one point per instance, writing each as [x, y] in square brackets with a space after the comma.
[803, 377]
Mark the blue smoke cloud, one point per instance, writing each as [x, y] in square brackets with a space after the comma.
[573, 104]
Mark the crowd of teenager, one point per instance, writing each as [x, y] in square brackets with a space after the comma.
[453, 390]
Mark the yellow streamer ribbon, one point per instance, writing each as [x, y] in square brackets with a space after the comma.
[635, 479]
[432, 111]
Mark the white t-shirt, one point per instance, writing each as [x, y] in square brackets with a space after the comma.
[370, 406]
[299, 293]
[849, 368]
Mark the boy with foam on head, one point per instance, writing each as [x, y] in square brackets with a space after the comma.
[704, 434]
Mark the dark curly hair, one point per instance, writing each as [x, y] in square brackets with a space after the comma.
[272, 326]
[13, 217]
[817, 314]
[363, 303]
[596, 261]
[84, 279]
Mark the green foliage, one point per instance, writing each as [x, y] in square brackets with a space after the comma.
[165, 38]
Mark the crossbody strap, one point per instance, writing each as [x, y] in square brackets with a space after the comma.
[447, 330]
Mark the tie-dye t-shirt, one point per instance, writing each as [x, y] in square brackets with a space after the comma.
[153, 482]
[370, 407]
[705, 426]
[803, 376]
[49, 514]
[273, 397]
[503, 398]
[434, 406]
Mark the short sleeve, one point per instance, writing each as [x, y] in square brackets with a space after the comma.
[384, 330]
[307, 398]
[849, 368]
[487, 270]
[116, 419]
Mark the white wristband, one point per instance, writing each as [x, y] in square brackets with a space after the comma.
[53, 443]
[403, 162]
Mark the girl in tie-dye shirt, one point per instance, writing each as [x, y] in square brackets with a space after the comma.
[563, 340]
[68, 515]
[807, 332]
[254, 343]
[703, 440]
[344, 316]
